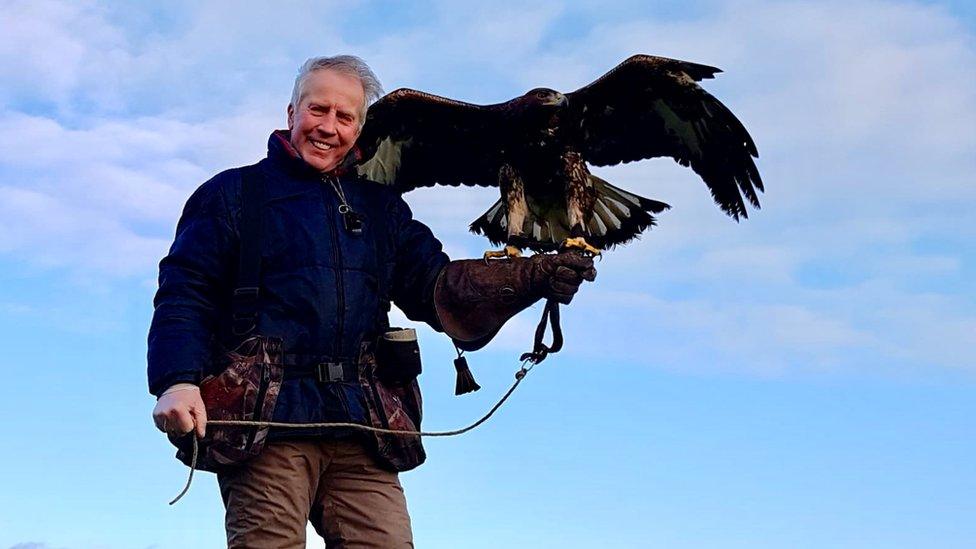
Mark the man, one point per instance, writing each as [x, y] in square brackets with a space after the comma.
[325, 288]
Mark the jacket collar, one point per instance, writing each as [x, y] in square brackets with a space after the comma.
[282, 153]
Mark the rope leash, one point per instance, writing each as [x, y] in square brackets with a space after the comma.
[527, 365]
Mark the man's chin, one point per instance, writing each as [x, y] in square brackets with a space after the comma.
[316, 160]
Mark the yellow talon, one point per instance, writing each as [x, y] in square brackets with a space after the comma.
[580, 244]
[509, 251]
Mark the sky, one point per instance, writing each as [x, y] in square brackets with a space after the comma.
[802, 378]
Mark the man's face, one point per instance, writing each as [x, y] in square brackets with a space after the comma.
[325, 123]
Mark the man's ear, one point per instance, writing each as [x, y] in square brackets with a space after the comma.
[291, 116]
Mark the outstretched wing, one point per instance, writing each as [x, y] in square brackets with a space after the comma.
[414, 139]
[652, 106]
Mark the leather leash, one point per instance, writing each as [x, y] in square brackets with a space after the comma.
[526, 367]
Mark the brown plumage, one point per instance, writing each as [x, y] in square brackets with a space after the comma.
[536, 148]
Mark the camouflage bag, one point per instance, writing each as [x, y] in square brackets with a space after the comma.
[246, 389]
[396, 406]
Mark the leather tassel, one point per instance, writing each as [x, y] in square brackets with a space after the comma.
[465, 381]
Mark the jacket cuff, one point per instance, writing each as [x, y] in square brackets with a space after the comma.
[159, 386]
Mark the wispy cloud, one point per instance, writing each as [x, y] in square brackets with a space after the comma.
[867, 134]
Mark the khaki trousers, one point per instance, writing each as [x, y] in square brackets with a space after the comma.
[334, 484]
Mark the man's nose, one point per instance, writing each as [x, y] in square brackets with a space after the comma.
[327, 124]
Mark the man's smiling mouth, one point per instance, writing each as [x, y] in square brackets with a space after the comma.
[321, 145]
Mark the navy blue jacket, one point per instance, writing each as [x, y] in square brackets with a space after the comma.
[323, 289]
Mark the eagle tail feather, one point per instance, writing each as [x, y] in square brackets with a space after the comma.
[618, 217]
[493, 224]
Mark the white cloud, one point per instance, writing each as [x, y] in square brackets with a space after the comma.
[867, 134]
[104, 199]
[50, 48]
[707, 335]
[48, 232]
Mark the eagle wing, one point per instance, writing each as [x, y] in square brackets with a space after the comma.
[415, 139]
[652, 106]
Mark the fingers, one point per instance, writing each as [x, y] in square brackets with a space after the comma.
[184, 422]
[565, 272]
[564, 296]
[575, 260]
[567, 276]
[563, 299]
[180, 412]
[578, 262]
[174, 420]
[200, 419]
[160, 422]
[565, 282]
[571, 270]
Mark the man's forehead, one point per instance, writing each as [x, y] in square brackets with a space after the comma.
[326, 84]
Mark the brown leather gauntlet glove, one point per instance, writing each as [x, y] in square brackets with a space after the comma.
[474, 298]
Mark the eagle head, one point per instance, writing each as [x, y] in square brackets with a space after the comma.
[542, 97]
[537, 115]
[538, 111]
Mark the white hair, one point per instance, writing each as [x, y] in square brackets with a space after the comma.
[347, 64]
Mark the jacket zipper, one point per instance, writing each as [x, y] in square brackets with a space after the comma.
[340, 291]
[259, 404]
[337, 257]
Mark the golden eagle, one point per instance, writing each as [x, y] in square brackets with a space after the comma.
[536, 148]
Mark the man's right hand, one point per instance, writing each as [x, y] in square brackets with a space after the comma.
[180, 410]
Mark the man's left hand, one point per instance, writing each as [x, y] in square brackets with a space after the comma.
[562, 274]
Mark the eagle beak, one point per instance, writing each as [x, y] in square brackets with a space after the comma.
[560, 100]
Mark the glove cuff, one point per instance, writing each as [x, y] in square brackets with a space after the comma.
[473, 298]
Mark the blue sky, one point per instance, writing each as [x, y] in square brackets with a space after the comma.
[801, 379]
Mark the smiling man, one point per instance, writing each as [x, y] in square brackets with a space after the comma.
[325, 117]
[294, 264]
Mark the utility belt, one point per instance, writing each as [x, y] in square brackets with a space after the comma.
[320, 368]
[397, 361]
[397, 357]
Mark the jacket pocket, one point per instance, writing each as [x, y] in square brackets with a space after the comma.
[398, 357]
[396, 408]
[245, 389]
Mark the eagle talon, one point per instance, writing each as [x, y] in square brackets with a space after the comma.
[579, 243]
[506, 253]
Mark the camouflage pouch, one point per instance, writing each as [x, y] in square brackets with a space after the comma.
[246, 389]
[390, 406]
